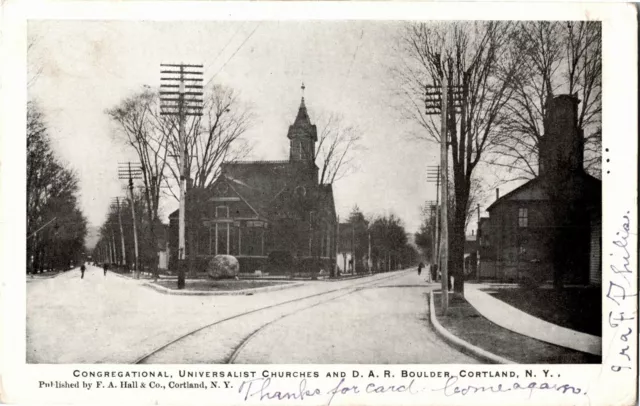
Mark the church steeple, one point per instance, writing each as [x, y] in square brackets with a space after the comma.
[302, 134]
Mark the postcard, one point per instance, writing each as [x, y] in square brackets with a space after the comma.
[319, 203]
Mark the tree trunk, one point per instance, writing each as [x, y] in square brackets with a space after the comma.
[458, 232]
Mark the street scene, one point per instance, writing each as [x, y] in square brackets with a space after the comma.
[314, 192]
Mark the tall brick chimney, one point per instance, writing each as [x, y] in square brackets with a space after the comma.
[562, 146]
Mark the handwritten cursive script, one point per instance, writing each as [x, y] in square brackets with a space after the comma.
[620, 290]
[451, 389]
[261, 389]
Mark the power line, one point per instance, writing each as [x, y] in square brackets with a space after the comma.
[223, 49]
[234, 54]
[353, 58]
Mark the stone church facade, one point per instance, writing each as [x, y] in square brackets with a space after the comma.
[261, 209]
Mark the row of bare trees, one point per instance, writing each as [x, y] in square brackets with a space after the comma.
[56, 227]
[507, 70]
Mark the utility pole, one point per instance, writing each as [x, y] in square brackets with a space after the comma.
[126, 172]
[115, 247]
[444, 238]
[430, 207]
[434, 176]
[337, 268]
[181, 95]
[353, 247]
[123, 257]
[437, 102]
[369, 260]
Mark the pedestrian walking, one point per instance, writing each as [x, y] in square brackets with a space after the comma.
[434, 272]
[82, 269]
[420, 266]
[105, 267]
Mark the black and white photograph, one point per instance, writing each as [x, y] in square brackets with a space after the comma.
[278, 196]
[306, 192]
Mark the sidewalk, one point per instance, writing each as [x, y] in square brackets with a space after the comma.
[513, 319]
[465, 328]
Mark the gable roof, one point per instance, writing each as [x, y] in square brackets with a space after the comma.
[528, 185]
[592, 190]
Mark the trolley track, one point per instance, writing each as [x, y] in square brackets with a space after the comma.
[248, 324]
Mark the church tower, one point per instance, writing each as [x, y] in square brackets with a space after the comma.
[302, 135]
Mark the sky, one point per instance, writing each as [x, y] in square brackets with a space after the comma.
[86, 67]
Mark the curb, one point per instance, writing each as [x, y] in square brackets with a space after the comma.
[42, 278]
[460, 344]
[242, 292]
[562, 336]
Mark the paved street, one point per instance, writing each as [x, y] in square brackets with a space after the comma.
[383, 324]
[116, 320]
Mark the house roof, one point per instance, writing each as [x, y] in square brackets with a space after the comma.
[592, 190]
[528, 185]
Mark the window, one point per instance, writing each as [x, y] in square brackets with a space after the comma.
[204, 241]
[296, 147]
[251, 241]
[222, 239]
[523, 217]
[233, 240]
[222, 212]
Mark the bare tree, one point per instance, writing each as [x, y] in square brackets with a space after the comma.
[212, 139]
[35, 67]
[140, 126]
[477, 56]
[336, 144]
[559, 57]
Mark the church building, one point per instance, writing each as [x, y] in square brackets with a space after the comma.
[261, 210]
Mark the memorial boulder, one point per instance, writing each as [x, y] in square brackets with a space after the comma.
[223, 267]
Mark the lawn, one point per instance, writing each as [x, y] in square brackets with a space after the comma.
[219, 285]
[466, 323]
[579, 309]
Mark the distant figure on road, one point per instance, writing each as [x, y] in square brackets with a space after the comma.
[82, 269]
[420, 266]
[434, 272]
[105, 267]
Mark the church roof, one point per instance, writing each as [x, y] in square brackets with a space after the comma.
[268, 185]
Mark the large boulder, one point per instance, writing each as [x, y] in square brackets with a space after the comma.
[223, 267]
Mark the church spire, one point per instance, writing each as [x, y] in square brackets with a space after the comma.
[302, 119]
[302, 133]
